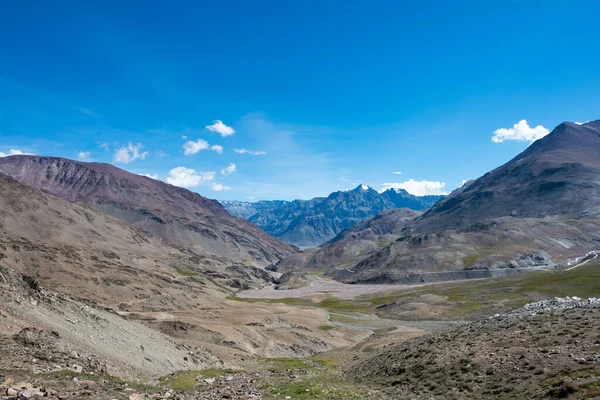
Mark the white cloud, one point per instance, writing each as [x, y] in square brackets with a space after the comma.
[417, 188]
[217, 148]
[161, 153]
[84, 156]
[464, 181]
[153, 176]
[520, 131]
[12, 152]
[397, 173]
[217, 187]
[129, 153]
[254, 153]
[104, 146]
[229, 170]
[189, 178]
[221, 128]
[191, 147]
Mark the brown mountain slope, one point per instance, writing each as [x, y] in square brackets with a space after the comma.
[539, 209]
[92, 255]
[108, 288]
[177, 215]
[557, 175]
[355, 243]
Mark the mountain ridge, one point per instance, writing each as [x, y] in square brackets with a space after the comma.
[545, 167]
[175, 214]
[539, 209]
[313, 222]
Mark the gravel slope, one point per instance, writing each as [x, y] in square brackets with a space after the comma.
[546, 349]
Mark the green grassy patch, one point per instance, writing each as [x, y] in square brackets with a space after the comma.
[326, 327]
[332, 304]
[222, 288]
[293, 364]
[469, 299]
[325, 362]
[584, 383]
[321, 381]
[186, 380]
[470, 260]
[184, 273]
[67, 374]
[308, 390]
[477, 298]
[320, 387]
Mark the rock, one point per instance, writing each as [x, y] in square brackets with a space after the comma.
[88, 384]
[210, 381]
[8, 382]
[76, 368]
[74, 354]
[26, 394]
[11, 392]
[135, 396]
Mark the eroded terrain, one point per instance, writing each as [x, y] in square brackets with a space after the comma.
[313, 344]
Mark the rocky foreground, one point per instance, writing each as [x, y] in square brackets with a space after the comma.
[549, 349]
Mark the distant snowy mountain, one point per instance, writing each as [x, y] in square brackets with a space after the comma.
[309, 223]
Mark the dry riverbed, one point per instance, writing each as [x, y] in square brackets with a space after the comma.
[320, 287]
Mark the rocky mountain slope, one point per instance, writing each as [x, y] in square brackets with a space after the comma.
[545, 350]
[92, 255]
[557, 175]
[178, 216]
[540, 209]
[129, 298]
[354, 244]
[312, 222]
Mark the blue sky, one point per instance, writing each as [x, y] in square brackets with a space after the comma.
[323, 95]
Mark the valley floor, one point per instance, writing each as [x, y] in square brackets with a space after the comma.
[324, 340]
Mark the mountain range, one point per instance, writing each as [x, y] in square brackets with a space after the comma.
[178, 216]
[540, 209]
[113, 274]
[123, 293]
[310, 223]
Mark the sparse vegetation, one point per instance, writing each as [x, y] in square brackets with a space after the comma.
[477, 298]
[184, 273]
[465, 299]
[321, 379]
[187, 380]
[326, 327]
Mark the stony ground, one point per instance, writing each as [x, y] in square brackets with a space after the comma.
[41, 367]
[57, 346]
[319, 287]
[549, 349]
